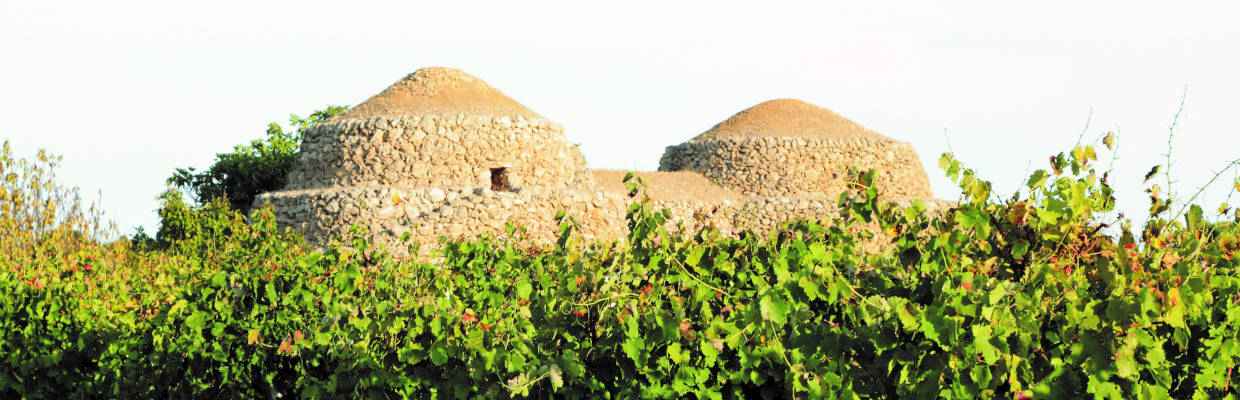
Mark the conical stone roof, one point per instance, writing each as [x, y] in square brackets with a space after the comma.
[442, 91]
[787, 118]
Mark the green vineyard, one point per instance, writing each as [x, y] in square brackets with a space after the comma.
[1045, 293]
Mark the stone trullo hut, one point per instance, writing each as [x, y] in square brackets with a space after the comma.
[442, 154]
[438, 153]
[789, 147]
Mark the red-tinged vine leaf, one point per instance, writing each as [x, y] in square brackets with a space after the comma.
[286, 347]
[1057, 164]
[1018, 213]
[686, 330]
[1170, 259]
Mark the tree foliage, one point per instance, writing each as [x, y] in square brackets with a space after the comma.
[239, 176]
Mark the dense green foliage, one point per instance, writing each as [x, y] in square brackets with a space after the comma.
[251, 169]
[1027, 297]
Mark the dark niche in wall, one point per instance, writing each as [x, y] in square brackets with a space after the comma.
[499, 180]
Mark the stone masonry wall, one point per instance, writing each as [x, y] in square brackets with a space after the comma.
[428, 214]
[437, 151]
[796, 166]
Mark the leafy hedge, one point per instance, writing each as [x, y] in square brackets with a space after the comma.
[1041, 295]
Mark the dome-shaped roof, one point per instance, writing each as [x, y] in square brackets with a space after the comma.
[787, 118]
[439, 90]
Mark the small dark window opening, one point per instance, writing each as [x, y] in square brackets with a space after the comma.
[499, 180]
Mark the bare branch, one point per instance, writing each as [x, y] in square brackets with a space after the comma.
[1175, 121]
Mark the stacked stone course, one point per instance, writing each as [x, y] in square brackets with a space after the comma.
[427, 214]
[436, 150]
[422, 157]
[792, 166]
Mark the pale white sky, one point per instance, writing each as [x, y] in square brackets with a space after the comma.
[129, 90]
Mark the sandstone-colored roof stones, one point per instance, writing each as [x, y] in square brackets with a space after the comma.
[787, 118]
[439, 90]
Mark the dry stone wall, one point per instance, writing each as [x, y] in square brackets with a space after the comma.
[444, 151]
[798, 166]
[428, 214]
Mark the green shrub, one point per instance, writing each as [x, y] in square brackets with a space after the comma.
[1027, 297]
[249, 170]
